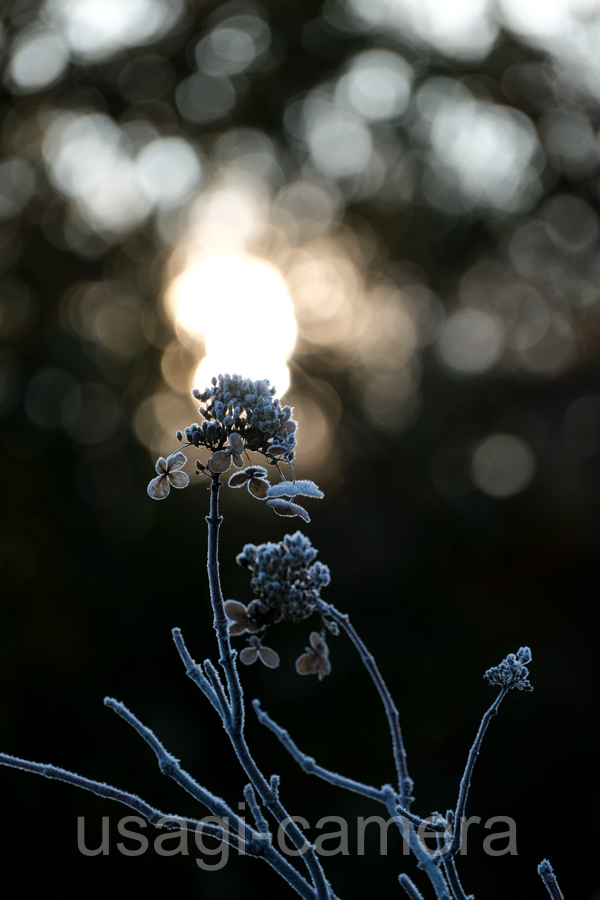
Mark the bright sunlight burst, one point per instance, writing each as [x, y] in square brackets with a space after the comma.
[240, 307]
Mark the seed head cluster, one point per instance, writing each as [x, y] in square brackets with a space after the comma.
[247, 407]
[512, 671]
[286, 579]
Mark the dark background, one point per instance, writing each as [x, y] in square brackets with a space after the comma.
[441, 576]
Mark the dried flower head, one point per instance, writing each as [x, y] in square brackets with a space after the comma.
[249, 408]
[512, 671]
[256, 651]
[255, 478]
[316, 659]
[241, 618]
[285, 578]
[169, 475]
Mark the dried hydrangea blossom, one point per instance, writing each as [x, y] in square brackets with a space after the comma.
[240, 618]
[512, 671]
[256, 651]
[169, 475]
[286, 578]
[249, 408]
[254, 478]
[316, 659]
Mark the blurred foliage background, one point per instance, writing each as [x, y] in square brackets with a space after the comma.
[393, 207]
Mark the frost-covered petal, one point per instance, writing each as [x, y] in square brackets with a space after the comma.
[161, 465]
[323, 667]
[307, 664]
[236, 444]
[285, 508]
[219, 462]
[179, 479]
[256, 472]
[238, 461]
[249, 655]
[295, 489]
[258, 487]
[276, 449]
[318, 643]
[268, 657]
[159, 487]
[238, 480]
[235, 610]
[176, 461]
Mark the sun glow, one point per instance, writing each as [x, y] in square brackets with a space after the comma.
[240, 308]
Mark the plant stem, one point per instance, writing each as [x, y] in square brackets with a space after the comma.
[405, 783]
[465, 782]
[546, 873]
[235, 724]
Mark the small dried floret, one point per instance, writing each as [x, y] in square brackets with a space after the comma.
[240, 619]
[512, 671]
[222, 459]
[254, 478]
[169, 475]
[256, 651]
[316, 659]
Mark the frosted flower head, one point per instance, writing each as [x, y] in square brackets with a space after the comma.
[249, 408]
[256, 651]
[316, 659]
[286, 579]
[169, 475]
[512, 671]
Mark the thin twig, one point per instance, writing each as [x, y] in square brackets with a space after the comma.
[154, 816]
[409, 887]
[170, 766]
[405, 784]
[308, 765]
[546, 873]
[465, 782]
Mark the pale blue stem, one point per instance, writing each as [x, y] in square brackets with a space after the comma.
[308, 765]
[546, 873]
[405, 784]
[110, 793]
[465, 783]
[409, 887]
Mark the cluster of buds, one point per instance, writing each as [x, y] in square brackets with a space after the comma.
[248, 408]
[512, 671]
[287, 579]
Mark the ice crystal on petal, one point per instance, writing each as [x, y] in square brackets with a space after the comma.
[169, 475]
[285, 579]
[316, 659]
[295, 489]
[512, 671]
